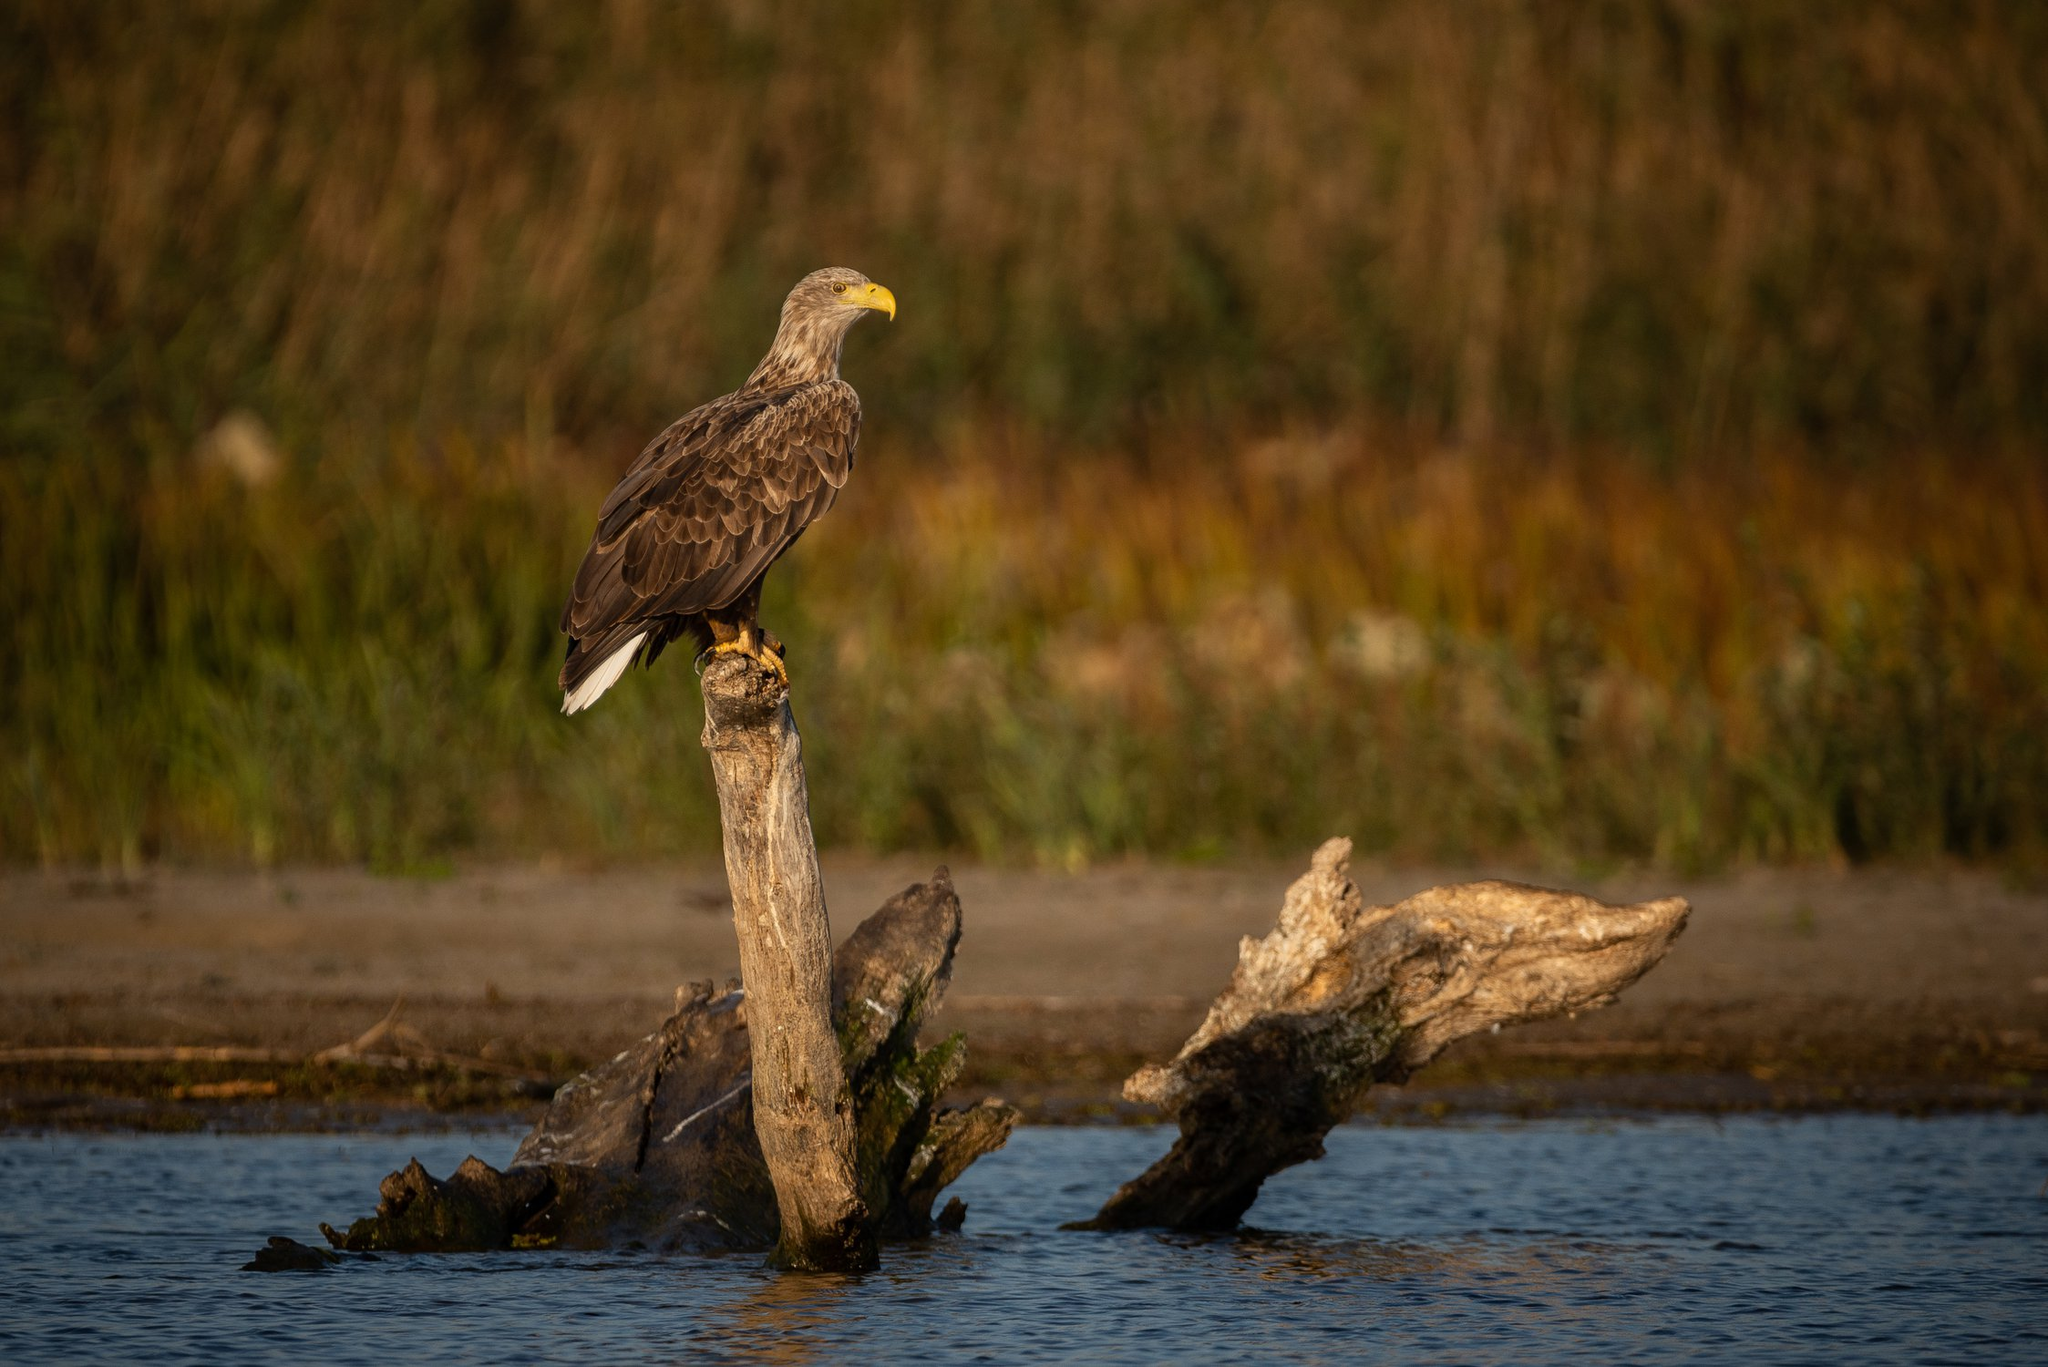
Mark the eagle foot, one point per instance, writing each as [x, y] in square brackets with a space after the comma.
[764, 650]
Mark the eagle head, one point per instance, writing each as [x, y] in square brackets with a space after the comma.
[816, 317]
[839, 295]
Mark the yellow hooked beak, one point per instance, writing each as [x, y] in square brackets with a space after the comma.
[873, 296]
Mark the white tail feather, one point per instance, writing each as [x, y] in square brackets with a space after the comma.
[592, 688]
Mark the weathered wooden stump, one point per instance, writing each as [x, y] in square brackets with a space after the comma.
[803, 1107]
[1340, 996]
[799, 1112]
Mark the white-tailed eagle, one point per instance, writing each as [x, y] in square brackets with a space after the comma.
[683, 541]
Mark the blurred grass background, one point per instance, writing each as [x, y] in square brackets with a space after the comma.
[1592, 433]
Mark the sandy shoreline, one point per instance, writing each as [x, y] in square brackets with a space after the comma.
[1791, 988]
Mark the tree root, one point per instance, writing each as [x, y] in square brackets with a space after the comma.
[657, 1147]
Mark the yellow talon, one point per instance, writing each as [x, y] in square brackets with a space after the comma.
[772, 659]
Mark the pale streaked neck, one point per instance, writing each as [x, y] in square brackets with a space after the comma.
[806, 351]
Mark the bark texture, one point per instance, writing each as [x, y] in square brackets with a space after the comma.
[1340, 996]
[659, 1146]
[803, 1105]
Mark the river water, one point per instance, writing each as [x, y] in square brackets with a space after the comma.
[1830, 1239]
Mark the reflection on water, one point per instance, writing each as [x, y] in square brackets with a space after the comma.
[784, 1319]
[1466, 1260]
[1843, 1238]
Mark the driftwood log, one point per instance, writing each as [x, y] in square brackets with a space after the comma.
[659, 1146]
[801, 1115]
[1340, 996]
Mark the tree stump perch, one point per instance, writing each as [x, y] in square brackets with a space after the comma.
[797, 1114]
[803, 1107]
[1340, 996]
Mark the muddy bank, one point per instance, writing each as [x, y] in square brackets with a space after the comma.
[1791, 989]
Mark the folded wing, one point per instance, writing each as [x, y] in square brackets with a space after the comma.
[707, 507]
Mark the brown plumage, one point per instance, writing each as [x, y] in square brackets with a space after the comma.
[684, 539]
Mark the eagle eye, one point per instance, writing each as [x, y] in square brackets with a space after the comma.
[839, 288]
